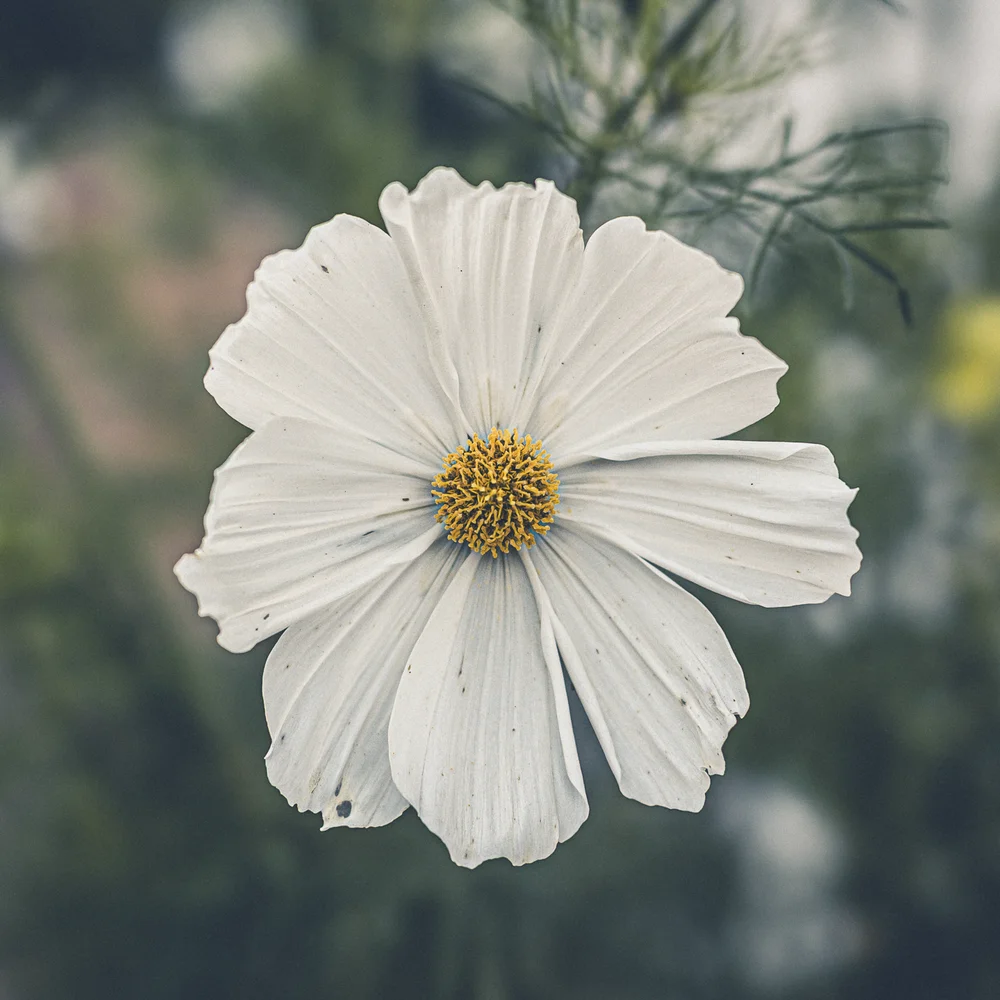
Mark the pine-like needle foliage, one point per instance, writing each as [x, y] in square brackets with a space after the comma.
[665, 109]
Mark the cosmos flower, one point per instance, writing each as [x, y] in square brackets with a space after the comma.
[480, 452]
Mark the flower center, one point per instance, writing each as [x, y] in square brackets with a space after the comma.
[496, 494]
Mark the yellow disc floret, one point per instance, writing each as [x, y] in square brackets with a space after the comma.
[496, 494]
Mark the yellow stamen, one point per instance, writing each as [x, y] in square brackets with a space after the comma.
[496, 494]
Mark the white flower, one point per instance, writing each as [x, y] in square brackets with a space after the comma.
[398, 387]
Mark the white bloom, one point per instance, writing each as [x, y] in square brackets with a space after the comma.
[416, 671]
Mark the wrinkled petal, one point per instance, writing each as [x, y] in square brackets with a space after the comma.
[480, 739]
[329, 685]
[763, 522]
[653, 670]
[647, 352]
[491, 270]
[299, 516]
[332, 333]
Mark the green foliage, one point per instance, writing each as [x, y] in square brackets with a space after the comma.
[649, 108]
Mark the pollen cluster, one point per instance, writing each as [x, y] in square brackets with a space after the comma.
[496, 494]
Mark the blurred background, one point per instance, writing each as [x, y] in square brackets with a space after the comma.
[151, 152]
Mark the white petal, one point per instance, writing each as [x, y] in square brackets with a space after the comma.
[647, 352]
[329, 685]
[332, 333]
[763, 522]
[299, 516]
[651, 665]
[492, 269]
[480, 739]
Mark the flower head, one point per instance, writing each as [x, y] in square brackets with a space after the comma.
[479, 448]
[495, 494]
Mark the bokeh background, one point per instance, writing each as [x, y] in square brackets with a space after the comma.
[151, 152]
